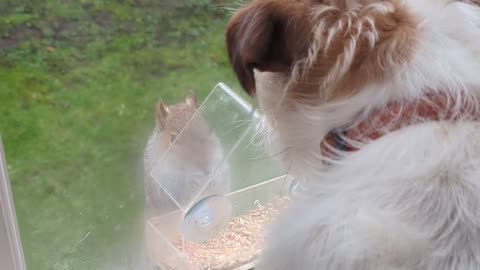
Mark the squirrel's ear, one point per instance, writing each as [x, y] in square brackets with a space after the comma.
[162, 114]
[191, 99]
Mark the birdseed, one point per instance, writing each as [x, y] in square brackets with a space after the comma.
[239, 243]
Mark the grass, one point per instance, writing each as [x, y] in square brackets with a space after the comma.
[78, 84]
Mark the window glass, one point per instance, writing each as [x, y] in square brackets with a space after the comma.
[79, 81]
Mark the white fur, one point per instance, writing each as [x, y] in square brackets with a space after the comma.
[406, 201]
[409, 200]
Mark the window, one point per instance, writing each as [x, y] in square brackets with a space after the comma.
[79, 85]
[11, 254]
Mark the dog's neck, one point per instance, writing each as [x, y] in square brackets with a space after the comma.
[397, 115]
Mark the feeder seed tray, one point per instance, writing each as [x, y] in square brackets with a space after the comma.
[237, 245]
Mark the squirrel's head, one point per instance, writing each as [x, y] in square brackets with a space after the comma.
[185, 133]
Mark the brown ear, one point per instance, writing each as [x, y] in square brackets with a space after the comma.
[162, 114]
[191, 99]
[267, 35]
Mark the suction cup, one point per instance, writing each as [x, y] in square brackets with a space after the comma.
[206, 218]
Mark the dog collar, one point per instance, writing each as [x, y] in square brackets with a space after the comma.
[397, 115]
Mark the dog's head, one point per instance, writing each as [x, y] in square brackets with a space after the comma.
[297, 55]
[314, 51]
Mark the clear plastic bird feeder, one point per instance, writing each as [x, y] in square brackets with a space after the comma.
[213, 228]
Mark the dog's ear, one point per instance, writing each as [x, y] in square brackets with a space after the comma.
[267, 35]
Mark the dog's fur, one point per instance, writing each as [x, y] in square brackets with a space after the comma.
[408, 200]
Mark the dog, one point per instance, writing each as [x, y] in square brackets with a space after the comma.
[374, 106]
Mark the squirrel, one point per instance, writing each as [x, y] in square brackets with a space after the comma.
[192, 156]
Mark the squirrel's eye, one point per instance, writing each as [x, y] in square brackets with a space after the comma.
[173, 137]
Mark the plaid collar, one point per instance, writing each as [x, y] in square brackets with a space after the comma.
[397, 115]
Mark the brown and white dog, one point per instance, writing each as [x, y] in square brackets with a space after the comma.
[375, 106]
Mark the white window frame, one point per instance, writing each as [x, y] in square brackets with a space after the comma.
[11, 252]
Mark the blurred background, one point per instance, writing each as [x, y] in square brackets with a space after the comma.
[79, 80]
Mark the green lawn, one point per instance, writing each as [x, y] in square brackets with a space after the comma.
[78, 84]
